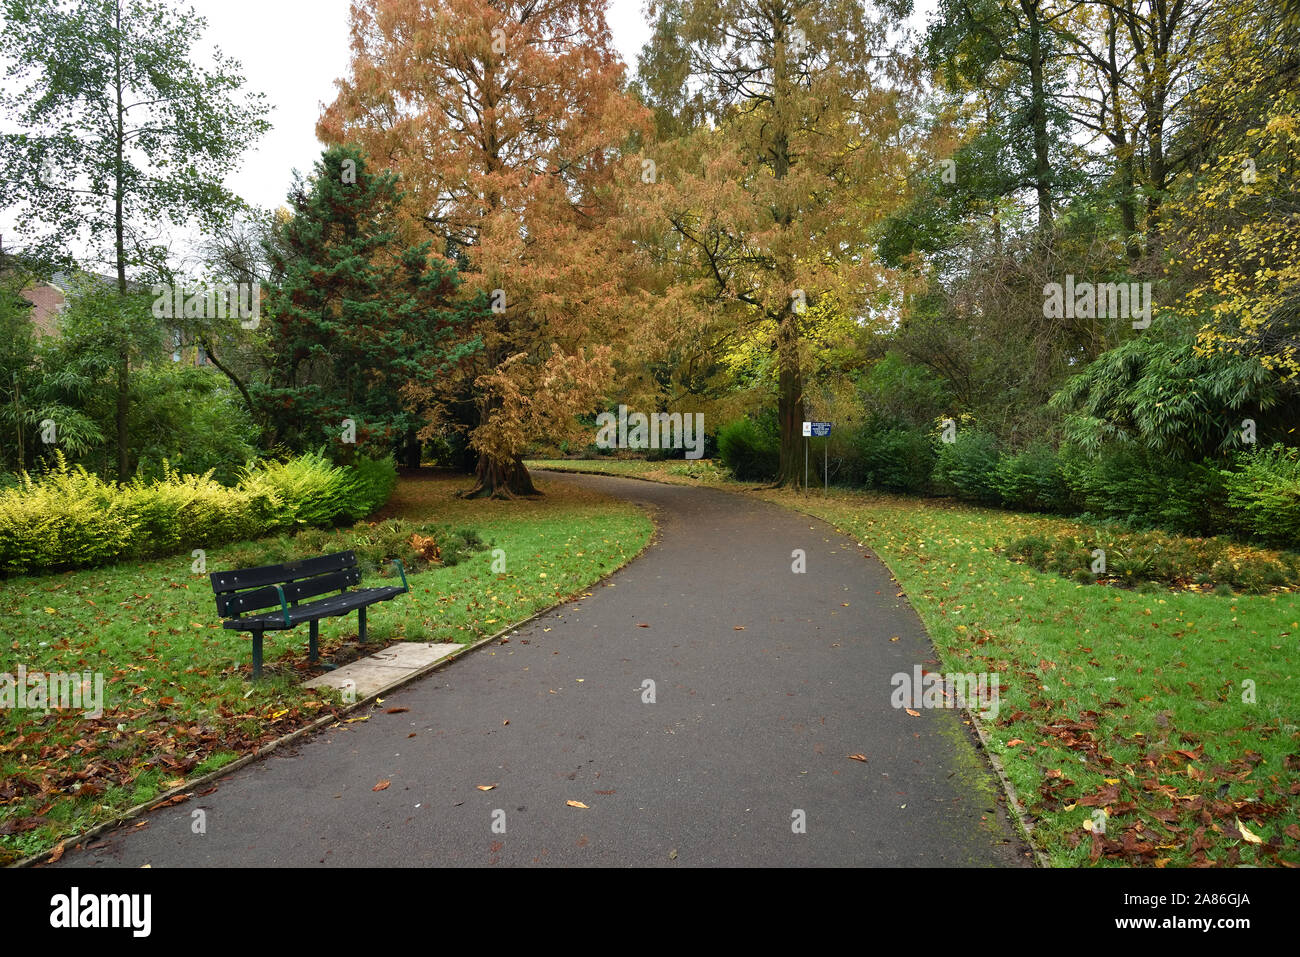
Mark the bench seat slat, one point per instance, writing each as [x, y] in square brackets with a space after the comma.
[330, 607]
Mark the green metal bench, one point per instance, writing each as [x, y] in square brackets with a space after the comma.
[243, 593]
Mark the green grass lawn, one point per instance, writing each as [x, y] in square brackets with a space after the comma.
[1115, 700]
[178, 701]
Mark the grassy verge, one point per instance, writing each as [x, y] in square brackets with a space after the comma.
[675, 471]
[177, 702]
[1169, 716]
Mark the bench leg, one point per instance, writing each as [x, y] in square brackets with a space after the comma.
[313, 651]
[361, 626]
[257, 655]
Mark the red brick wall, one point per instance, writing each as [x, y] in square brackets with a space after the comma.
[46, 301]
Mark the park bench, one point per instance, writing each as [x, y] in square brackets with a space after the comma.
[244, 593]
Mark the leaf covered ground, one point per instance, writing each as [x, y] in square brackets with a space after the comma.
[178, 702]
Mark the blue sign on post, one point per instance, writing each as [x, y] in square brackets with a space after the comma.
[821, 429]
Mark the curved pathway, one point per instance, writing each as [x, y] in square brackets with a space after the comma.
[764, 682]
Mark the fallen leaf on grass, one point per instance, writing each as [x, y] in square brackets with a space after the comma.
[1015, 741]
[1248, 836]
[382, 785]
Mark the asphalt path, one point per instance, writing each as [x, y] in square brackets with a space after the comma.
[703, 703]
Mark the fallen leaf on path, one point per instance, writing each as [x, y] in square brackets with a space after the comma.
[576, 804]
[382, 785]
[395, 710]
[914, 714]
[485, 787]
[858, 757]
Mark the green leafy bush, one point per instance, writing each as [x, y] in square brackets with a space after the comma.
[69, 518]
[968, 467]
[752, 451]
[375, 543]
[703, 469]
[1146, 490]
[894, 457]
[1131, 558]
[373, 484]
[309, 490]
[190, 420]
[1032, 481]
[179, 512]
[1264, 495]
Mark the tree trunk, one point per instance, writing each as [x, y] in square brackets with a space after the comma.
[790, 373]
[790, 408]
[411, 450]
[18, 421]
[119, 227]
[1038, 117]
[496, 478]
[234, 379]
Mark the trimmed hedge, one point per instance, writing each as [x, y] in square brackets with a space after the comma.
[69, 518]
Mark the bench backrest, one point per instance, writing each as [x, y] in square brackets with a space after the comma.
[247, 590]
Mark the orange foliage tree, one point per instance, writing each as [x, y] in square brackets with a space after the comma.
[506, 120]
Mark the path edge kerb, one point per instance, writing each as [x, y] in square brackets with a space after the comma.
[190, 787]
[1019, 815]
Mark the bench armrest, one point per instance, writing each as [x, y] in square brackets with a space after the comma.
[284, 605]
[402, 569]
